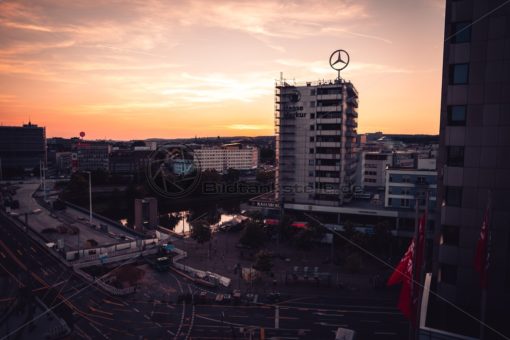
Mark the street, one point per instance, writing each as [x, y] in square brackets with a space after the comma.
[153, 311]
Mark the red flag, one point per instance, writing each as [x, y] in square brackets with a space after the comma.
[401, 270]
[408, 274]
[482, 251]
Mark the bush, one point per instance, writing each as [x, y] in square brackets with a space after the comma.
[253, 235]
[353, 263]
[264, 261]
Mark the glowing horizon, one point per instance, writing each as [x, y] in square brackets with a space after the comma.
[150, 69]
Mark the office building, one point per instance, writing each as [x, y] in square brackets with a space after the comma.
[228, 156]
[129, 162]
[93, 156]
[316, 134]
[22, 149]
[146, 213]
[63, 163]
[404, 186]
[474, 155]
[373, 168]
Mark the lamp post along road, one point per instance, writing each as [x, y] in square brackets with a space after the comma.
[90, 196]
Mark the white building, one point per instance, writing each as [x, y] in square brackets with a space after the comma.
[228, 156]
[316, 135]
[404, 186]
[373, 168]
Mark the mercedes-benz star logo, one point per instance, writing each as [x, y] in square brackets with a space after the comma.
[173, 171]
[339, 60]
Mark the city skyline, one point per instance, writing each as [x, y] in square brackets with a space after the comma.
[141, 70]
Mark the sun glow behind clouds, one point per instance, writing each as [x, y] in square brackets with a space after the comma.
[200, 67]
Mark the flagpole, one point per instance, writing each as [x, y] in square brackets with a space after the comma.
[412, 331]
[423, 267]
[483, 312]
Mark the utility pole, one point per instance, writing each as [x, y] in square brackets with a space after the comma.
[90, 196]
[43, 167]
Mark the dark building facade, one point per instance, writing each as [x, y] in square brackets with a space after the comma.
[22, 148]
[474, 153]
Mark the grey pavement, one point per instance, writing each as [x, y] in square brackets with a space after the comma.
[44, 219]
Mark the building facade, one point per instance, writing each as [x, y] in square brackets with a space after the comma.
[316, 135]
[474, 152]
[93, 156]
[146, 213]
[405, 186]
[373, 169]
[22, 149]
[228, 156]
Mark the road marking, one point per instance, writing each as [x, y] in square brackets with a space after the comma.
[146, 316]
[385, 333]
[3, 255]
[92, 309]
[93, 326]
[276, 317]
[326, 314]
[170, 332]
[158, 324]
[19, 252]
[371, 321]
[35, 252]
[329, 324]
[113, 303]
[136, 310]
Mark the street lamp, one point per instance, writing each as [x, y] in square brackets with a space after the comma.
[90, 196]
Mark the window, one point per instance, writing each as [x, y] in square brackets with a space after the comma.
[448, 274]
[312, 127]
[461, 32]
[455, 156]
[311, 150]
[310, 173]
[459, 74]
[456, 115]
[450, 235]
[312, 92]
[312, 115]
[312, 139]
[405, 203]
[312, 103]
[390, 201]
[311, 162]
[453, 196]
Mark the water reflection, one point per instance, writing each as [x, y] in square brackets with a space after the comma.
[179, 221]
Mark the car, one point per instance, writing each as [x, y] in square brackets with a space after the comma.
[274, 297]
[227, 298]
[81, 218]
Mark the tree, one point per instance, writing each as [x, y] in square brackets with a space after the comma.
[303, 239]
[200, 231]
[264, 261]
[168, 221]
[381, 240]
[232, 175]
[353, 263]
[253, 235]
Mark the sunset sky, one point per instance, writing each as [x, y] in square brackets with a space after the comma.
[148, 68]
